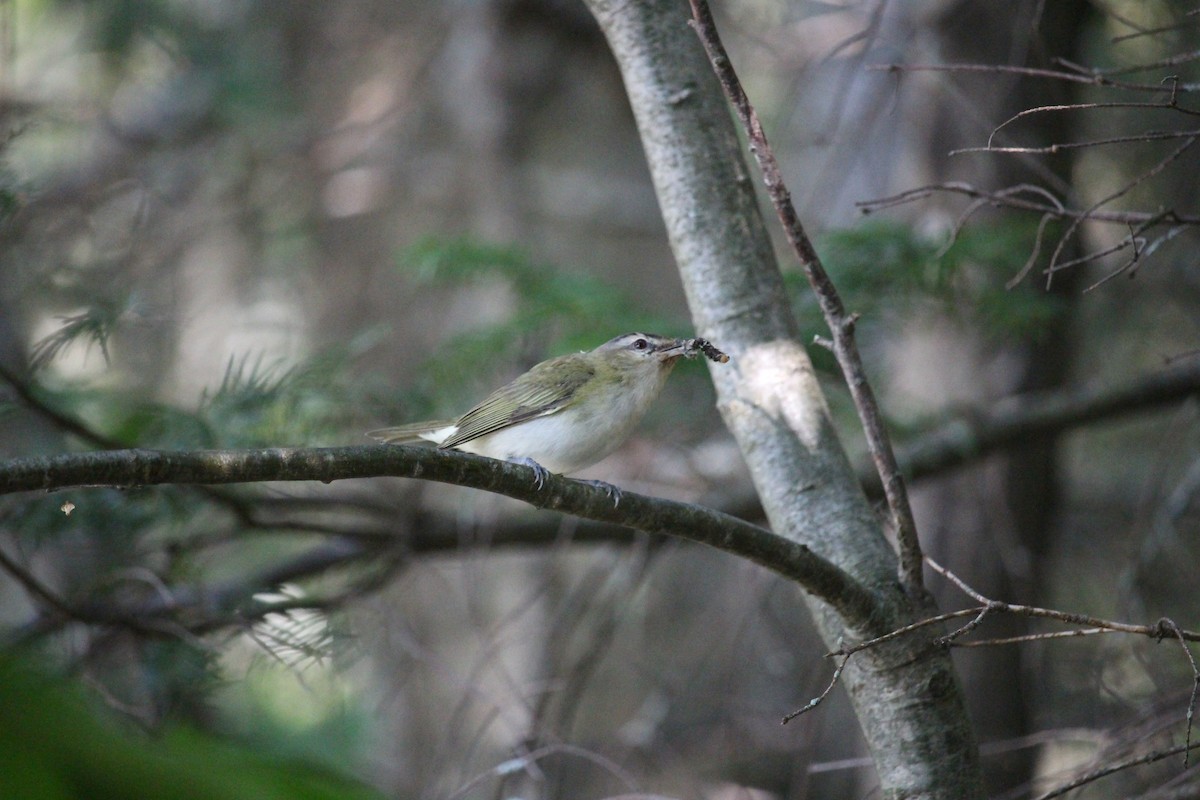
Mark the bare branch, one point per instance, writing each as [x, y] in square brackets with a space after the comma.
[41, 593]
[1088, 77]
[816, 701]
[987, 607]
[841, 324]
[64, 422]
[1104, 772]
[129, 468]
[1141, 249]
[1170, 61]
[1170, 105]
[1128, 187]
[1058, 147]
[849, 650]
[1002, 200]
[1158, 631]
[980, 432]
[1139, 31]
[1191, 710]
[1035, 637]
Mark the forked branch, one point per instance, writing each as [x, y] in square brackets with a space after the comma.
[841, 323]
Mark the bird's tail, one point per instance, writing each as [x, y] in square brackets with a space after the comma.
[412, 432]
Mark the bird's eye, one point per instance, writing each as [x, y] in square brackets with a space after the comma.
[640, 344]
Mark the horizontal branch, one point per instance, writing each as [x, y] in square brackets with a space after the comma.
[190, 609]
[1058, 147]
[1011, 421]
[1005, 199]
[136, 468]
[1090, 78]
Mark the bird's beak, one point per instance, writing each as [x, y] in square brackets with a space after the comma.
[677, 349]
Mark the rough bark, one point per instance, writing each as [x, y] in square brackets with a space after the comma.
[906, 696]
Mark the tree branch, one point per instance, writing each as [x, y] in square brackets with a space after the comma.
[1162, 629]
[27, 394]
[908, 702]
[134, 468]
[841, 323]
[980, 432]
[1005, 198]
[1110, 769]
[1091, 78]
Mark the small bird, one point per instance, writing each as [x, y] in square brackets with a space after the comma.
[566, 413]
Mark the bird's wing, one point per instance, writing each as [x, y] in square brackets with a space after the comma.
[408, 433]
[524, 399]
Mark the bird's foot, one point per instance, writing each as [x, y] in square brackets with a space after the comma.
[613, 492]
[540, 473]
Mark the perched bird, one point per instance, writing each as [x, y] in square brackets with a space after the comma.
[566, 413]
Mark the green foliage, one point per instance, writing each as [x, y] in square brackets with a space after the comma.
[209, 72]
[117, 24]
[53, 746]
[136, 422]
[252, 398]
[123, 518]
[888, 269]
[256, 404]
[11, 187]
[94, 326]
[261, 404]
[556, 311]
[547, 295]
[294, 700]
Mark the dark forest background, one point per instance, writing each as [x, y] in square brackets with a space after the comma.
[261, 223]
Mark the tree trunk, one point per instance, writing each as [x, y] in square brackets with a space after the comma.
[905, 693]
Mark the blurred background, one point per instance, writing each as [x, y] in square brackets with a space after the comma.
[231, 223]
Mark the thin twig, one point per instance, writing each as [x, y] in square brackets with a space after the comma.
[1158, 631]
[1191, 710]
[1142, 249]
[1104, 772]
[850, 650]
[984, 612]
[1140, 31]
[1169, 61]
[987, 607]
[1089, 78]
[1058, 147]
[1036, 637]
[1033, 253]
[1000, 200]
[982, 202]
[36, 588]
[64, 422]
[816, 701]
[1170, 105]
[841, 324]
[1128, 187]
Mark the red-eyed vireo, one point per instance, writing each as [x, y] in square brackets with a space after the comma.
[566, 413]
